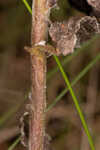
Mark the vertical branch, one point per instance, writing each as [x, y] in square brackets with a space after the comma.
[38, 102]
[38, 74]
[39, 20]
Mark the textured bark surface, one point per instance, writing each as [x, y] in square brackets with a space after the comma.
[38, 102]
[38, 71]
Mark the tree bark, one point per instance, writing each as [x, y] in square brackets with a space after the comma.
[38, 76]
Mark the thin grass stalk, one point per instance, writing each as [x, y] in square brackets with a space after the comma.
[78, 77]
[78, 108]
[15, 143]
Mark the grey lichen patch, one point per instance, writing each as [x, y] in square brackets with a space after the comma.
[67, 44]
[70, 34]
[88, 27]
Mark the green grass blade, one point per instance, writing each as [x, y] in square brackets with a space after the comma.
[78, 108]
[15, 143]
[27, 6]
[78, 77]
[65, 61]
